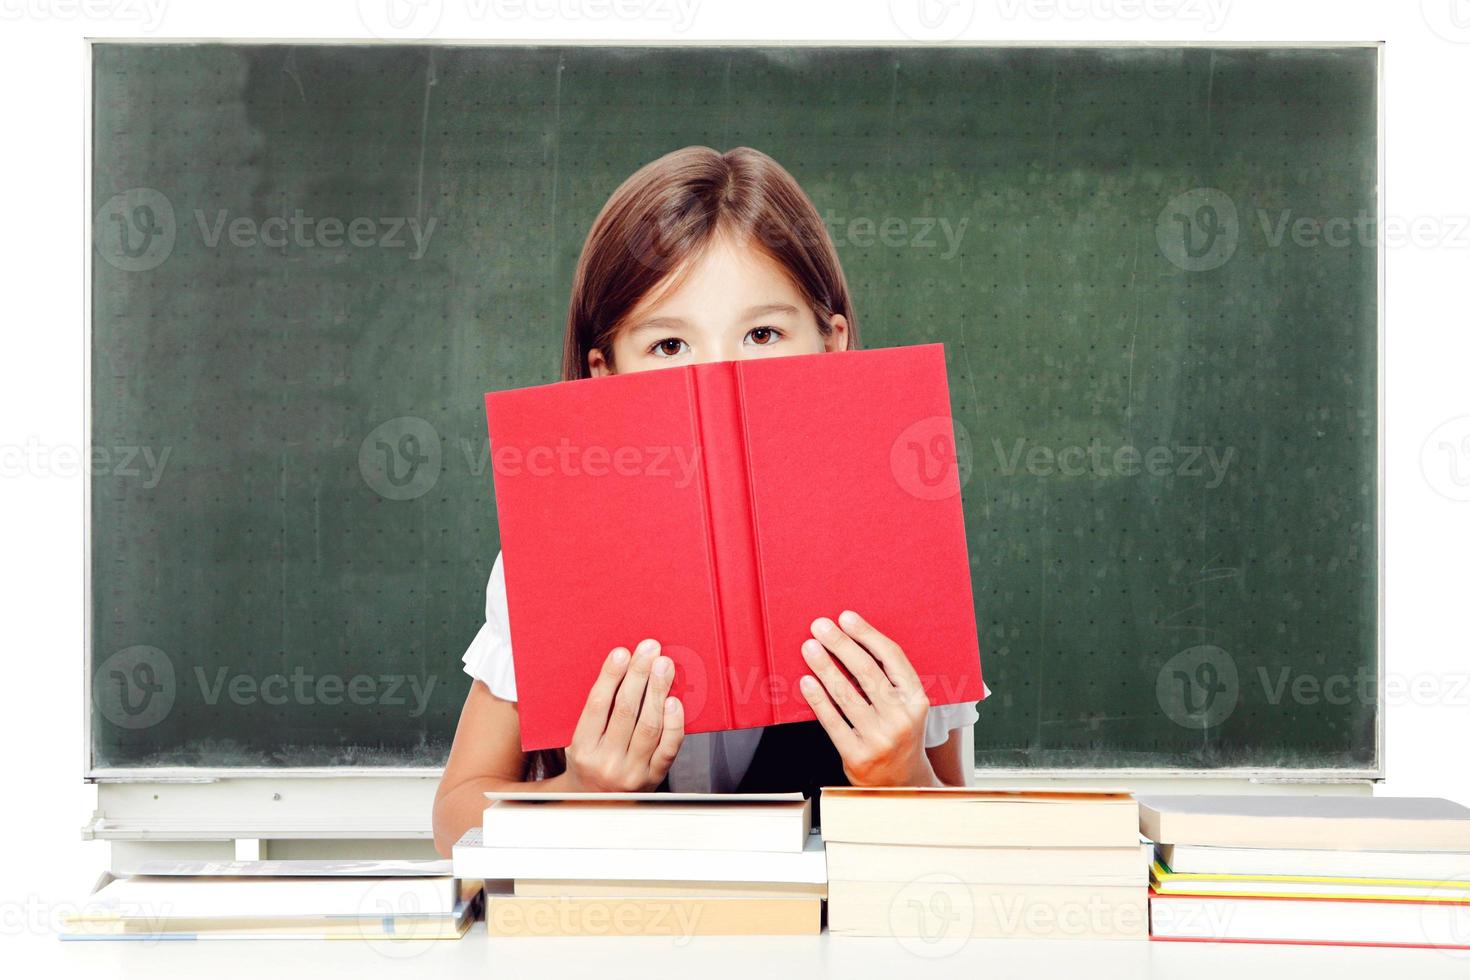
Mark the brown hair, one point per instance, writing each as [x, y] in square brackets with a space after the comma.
[668, 212]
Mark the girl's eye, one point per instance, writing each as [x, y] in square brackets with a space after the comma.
[672, 347]
[763, 336]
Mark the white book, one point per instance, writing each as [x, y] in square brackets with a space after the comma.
[314, 868]
[473, 859]
[175, 897]
[1412, 865]
[665, 821]
[395, 928]
[999, 865]
[1308, 921]
[1307, 822]
[938, 909]
[952, 816]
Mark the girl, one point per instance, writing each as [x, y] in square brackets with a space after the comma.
[702, 256]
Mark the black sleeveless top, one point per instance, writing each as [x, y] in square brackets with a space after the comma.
[796, 757]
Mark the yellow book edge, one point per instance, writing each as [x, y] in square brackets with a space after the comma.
[1167, 882]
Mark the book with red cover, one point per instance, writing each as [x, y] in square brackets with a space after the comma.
[720, 508]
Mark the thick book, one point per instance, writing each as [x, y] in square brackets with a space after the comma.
[939, 907]
[666, 821]
[1252, 919]
[1204, 859]
[474, 859]
[997, 865]
[1306, 822]
[678, 918]
[721, 508]
[961, 817]
[620, 888]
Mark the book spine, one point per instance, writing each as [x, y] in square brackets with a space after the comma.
[744, 674]
[777, 699]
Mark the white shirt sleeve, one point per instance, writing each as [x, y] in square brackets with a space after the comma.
[488, 657]
[945, 718]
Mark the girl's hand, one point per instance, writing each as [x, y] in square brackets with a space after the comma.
[630, 729]
[878, 731]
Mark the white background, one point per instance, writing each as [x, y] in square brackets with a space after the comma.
[42, 244]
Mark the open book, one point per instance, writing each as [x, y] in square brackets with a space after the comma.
[719, 509]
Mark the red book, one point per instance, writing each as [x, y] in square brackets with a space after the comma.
[719, 509]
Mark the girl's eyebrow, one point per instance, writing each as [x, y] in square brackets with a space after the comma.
[756, 311]
[679, 323]
[660, 323]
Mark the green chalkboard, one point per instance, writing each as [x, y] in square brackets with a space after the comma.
[1154, 271]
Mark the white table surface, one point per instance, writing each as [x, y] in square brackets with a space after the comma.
[476, 955]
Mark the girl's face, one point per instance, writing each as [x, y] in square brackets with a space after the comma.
[733, 302]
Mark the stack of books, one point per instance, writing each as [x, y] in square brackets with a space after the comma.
[1356, 871]
[962, 863]
[390, 901]
[647, 864]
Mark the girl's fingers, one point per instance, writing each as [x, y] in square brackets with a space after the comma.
[669, 741]
[838, 687]
[650, 725]
[836, 727]
[895, 662]
[858, 661]
[593, 720]
[629, 700]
